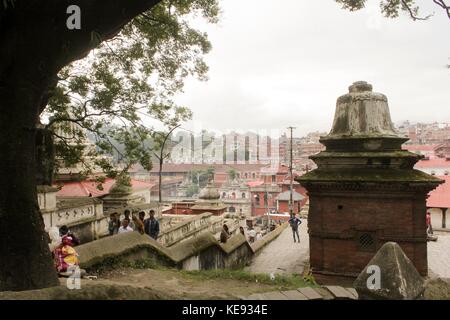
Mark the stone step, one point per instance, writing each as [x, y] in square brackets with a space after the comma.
[310, 293]
[274, 295]
[353, 292]
[294, 295]
[340, 293]
[255, 296]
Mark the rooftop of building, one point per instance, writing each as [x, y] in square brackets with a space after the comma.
[286, 195]
[433, 162]
[95, 189]
[420, 147]
[440, 197]
[218, 168]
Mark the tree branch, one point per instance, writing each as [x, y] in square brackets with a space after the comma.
[444, 6]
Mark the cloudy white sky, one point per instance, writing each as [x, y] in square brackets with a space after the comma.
[277, 63]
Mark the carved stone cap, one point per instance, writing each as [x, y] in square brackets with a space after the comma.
[360, 86]
[362, 113]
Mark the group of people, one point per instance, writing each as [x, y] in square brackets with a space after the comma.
[149, 226]
[225, 234]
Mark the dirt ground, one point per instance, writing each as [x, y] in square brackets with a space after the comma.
[182, 286]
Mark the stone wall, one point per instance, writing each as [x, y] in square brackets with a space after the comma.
[84, 216]
[337, 242]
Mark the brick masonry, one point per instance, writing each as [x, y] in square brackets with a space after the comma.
[339, 220]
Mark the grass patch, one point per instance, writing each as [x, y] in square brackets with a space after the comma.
[115, 263]
[285, 282]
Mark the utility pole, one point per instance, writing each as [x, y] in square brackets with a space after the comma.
[291, 202]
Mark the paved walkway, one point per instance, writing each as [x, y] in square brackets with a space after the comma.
[282, 255]
[439, 256]
[320, 293]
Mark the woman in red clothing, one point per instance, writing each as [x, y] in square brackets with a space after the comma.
[429, 227]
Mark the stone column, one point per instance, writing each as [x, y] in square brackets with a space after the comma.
[444, 218]
[365, 191]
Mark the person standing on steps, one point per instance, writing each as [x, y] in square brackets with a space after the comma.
[151, 226]
[429, 226]
[225, 234]
[294, 222]
[125, 227]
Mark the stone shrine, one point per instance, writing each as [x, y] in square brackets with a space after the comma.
[365, 191]
[209, 201]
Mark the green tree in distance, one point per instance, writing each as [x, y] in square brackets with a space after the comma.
[127, 80]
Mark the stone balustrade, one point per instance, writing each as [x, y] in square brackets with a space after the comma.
[202, 252]
[187, 228]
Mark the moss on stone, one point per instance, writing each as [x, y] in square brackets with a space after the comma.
[368, 175]
[367, 154]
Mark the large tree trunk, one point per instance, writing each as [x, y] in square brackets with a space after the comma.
[25, 256]
[34, 45]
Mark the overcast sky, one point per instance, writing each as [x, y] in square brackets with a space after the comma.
[285, 62]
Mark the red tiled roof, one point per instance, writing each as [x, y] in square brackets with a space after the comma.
[420, 147]
[255, 183]
[84, 188]
[219, 168]
[275, 170]
[433, 163]
[440, 197]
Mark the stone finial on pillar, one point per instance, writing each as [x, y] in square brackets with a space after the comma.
[390, 275]
[365, 191]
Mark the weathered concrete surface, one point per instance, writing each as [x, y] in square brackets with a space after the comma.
[200, 252]
[399, 279]
[130, 245]
[258, 245]
[439, 256]
[282, 255]
[437, 289]
[89, 291]
[307, 293]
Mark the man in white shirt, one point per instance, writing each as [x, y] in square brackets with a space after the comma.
[251, 235]
[125, 226]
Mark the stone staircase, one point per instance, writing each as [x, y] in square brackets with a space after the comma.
[308, 293]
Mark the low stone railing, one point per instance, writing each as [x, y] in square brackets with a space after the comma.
[185, 230]
[202, 252]
[258, 245]
[190, 245]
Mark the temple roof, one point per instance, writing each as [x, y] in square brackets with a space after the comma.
[440, 197]
[286, 195]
